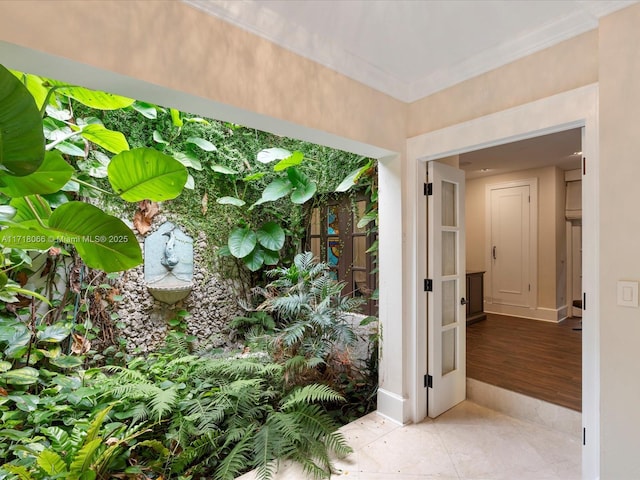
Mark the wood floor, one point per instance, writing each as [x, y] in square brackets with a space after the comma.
[539, 359]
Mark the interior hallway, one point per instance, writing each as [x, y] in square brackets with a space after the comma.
[539, 359]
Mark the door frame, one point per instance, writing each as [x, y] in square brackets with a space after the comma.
[532, 183]
[572, 109]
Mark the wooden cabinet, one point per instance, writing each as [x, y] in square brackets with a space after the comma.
[475, 297]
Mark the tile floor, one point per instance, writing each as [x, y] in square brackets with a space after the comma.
[468, 442]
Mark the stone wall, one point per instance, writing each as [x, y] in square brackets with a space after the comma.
[211, 304]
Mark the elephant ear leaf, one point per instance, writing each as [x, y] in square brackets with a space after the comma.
[21, 134]
[104, 242]
[50, 177]
[146, 174]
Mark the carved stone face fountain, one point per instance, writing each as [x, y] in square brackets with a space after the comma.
[168, 263]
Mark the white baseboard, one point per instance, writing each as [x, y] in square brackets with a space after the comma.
[544, 314]
[393, 407]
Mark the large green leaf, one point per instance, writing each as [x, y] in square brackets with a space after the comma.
[224, 170]
[15, 334]
[28, 237]
[96, 98]
[146, 174]
[35, 85]
[205, 145]
[50, 177]
[351, 179]
[270, 257]
[24, 212]
[80, 467]
[241, 242]
[188, 159]
[304, 193]
[275, 190]
[21, 135]
[110, 140]
[255, 259]
[291, 161]
[268, 155]
[54, 333]
[146, 109]
[271, 236]
[103, 241]
[21, 376]
[304, 189]
[67, 361]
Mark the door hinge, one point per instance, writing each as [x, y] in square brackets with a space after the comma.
[584, 300]
[584, 165]
[428, 381]
[584, 436]
[428, 285]
[428, 189]
[529, 287]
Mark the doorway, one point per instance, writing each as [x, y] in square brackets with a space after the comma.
[573, 109]
[527, 344]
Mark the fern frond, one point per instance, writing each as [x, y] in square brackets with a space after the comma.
[237, 459]
[206, 444]
[190, 360]
[312, 470]
[265, 447]
[125, 374]
[296, 363]
[139, 413]
[310, 394]
[293, 334]
[336, 442]
[163, 401]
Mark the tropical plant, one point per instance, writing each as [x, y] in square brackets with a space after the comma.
[308, 304]
[222, 416]
[259, 247]
[33, 170]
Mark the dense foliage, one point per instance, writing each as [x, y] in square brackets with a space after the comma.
[71, 408]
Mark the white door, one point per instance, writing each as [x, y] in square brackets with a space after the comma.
[446, 299]
[510, 246]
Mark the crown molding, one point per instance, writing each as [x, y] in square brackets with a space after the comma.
[250, 15]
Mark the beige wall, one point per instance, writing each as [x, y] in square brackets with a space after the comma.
[550, 206]
[619, 241]
[568, 65]
[171, 44]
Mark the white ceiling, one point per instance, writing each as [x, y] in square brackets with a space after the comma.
[409, 49]
[562, 149]
[412, 48]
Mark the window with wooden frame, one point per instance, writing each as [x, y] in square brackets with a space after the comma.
[334, 238]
